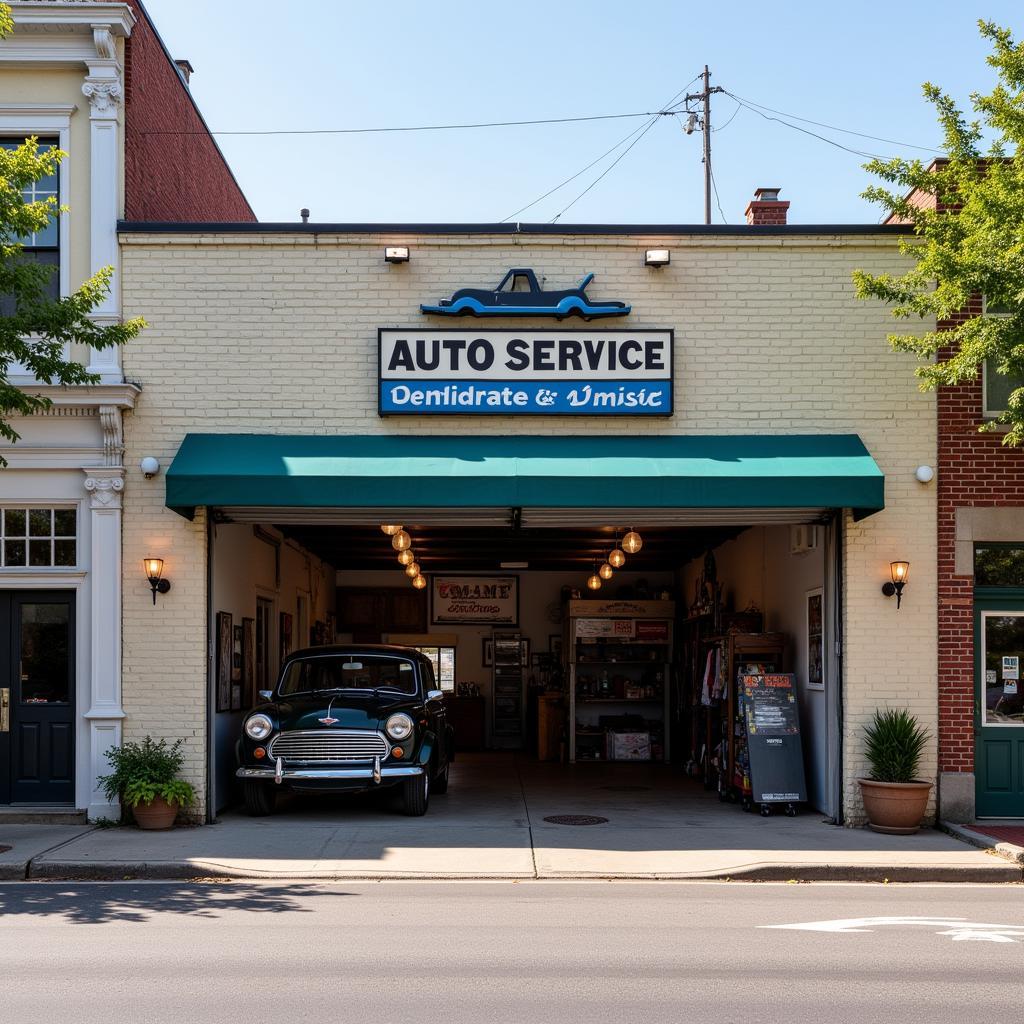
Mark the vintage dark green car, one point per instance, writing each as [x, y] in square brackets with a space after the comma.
[345, 719]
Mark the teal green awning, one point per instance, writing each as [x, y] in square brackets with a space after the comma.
[567, 472]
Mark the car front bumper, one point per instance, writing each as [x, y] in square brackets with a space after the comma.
[372, 774]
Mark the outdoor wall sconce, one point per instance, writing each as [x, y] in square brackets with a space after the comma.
[657, 257]
[396, 253]
[150, 467]
[899, 571]
[154, 573]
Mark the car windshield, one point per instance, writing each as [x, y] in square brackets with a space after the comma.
[349, 672]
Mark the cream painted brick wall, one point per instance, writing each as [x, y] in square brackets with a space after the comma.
[271, 333]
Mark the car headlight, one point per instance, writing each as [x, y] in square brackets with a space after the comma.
[259, 727]
[399, 727]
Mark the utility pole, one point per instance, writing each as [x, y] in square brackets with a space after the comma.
[704, 96]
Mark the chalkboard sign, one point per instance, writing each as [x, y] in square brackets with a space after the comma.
[772, 722]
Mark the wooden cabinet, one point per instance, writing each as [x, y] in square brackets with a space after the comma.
[367, 612]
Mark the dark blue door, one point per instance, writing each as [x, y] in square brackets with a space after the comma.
[37, 697]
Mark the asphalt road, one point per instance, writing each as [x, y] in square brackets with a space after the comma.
[529, 952]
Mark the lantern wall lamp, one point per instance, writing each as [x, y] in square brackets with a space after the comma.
[899, 571]
[154, 568]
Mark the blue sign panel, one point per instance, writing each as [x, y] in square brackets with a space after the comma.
[523, 373]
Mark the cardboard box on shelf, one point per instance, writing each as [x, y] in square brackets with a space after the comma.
[628, 746]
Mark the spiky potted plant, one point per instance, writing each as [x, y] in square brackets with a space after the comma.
[145, 778]
[894, 798]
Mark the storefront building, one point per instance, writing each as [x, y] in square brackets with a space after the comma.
[88, 78]
[981, 604]
[737, 410]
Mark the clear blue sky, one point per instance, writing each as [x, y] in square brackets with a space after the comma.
[341, 64]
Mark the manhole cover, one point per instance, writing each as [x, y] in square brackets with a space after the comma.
[628, 789]
[575, 819]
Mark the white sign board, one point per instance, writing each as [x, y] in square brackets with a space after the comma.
[528, 371]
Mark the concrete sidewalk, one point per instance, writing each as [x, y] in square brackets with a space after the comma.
[491, 825]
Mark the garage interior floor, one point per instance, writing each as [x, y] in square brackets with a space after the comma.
[491, 824]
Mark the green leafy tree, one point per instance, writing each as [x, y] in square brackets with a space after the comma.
[34, 326]
[967, 237]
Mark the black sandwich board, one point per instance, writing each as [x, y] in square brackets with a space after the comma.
[772, 722]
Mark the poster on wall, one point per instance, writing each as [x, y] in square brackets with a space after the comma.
[815, 644]
[248, 661]
[474, 600]
[224, 640]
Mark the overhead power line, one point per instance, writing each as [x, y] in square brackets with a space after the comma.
[423, 127]
[650, 124]
[759, 107]
[643, 129]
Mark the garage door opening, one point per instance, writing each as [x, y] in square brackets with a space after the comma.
[563, 644]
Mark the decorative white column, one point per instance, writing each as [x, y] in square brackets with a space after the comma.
[104, 486]
[104, 91]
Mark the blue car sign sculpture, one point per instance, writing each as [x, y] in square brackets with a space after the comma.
[520, 295]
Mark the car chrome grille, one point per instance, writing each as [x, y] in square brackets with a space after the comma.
[329, 745]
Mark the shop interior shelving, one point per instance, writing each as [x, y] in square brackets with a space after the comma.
[619, 660]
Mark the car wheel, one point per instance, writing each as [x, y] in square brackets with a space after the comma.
[416, 795]
[440, 786]
[260, 799]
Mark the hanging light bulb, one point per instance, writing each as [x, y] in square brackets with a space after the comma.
[419, 582]
[406, 557]
[605, 572]
[390, 530]
[617, 559]
[401, 540]
[412, 570]
[594, 582]
[631, 543]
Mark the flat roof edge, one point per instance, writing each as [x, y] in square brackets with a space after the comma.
[654, 230]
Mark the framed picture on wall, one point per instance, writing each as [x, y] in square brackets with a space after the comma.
[815, 639]
[236, 668]
[224, 641]
[248, 660]
[474, 600]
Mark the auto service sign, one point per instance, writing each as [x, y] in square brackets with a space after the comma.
[524, 372]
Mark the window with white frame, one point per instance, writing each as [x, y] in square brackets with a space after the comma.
[443, 660]
[41, 246]
[997, 387]
[38, 537]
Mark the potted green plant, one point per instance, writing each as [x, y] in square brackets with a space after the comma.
[145, 778]
[894, 798]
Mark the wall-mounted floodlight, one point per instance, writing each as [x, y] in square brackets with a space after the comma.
[657, 258]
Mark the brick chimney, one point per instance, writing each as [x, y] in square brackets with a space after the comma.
[766, 207]
[185, 68]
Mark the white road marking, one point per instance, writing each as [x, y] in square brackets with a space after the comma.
[959, 929]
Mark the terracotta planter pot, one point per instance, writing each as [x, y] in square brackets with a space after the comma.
[157, 815]
[895, 808]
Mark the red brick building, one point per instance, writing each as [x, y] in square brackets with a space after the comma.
[174, 170]
[980, 594]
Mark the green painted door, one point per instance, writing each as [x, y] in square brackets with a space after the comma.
[999, 705]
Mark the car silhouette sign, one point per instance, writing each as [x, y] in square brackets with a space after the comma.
[519, 294]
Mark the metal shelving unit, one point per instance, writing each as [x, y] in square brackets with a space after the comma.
[623, 650]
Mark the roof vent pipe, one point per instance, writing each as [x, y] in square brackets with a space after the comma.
[304, 214]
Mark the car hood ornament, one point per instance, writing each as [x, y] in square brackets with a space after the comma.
[519, 294]
[327, 719]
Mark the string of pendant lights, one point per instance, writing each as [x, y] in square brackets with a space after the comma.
[402, 543]
[630, 544]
